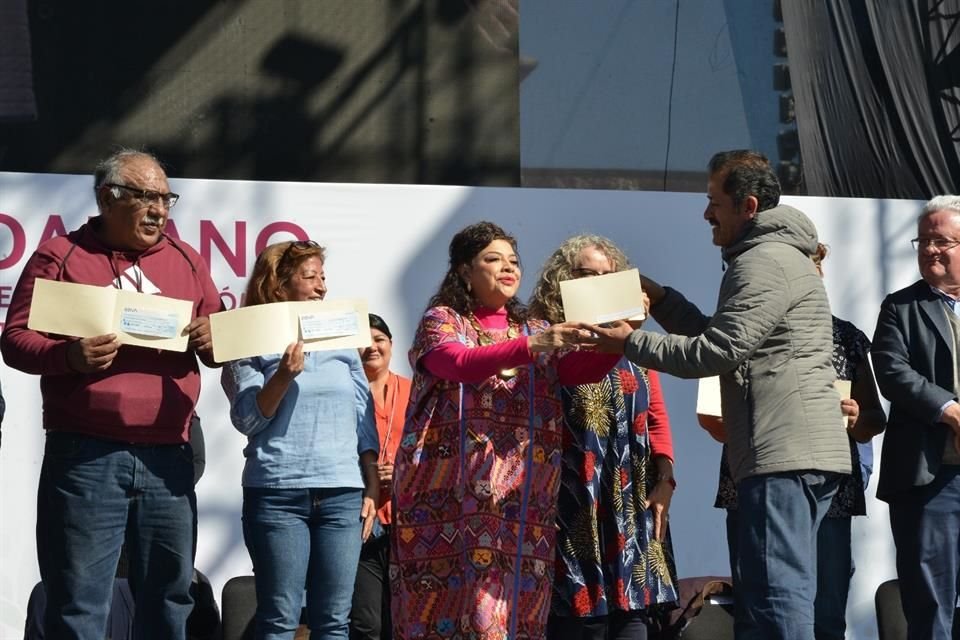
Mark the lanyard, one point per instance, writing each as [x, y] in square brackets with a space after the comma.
[382, 457]
[137, 280]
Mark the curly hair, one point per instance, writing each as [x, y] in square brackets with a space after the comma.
[464, 247]
[545, 303]
[274, 268]
[746, 173]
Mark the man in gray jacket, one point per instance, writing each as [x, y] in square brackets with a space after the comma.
[770, 341]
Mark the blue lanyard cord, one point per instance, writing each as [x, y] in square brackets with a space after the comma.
[463, 465]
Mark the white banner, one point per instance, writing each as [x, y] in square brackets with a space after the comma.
[388, 244]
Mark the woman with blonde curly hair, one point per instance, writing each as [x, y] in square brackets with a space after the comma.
[614, 557]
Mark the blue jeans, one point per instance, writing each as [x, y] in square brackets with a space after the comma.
[834, 570]
[93, 496]
[303, 538]
[925, 523]
[774, 559]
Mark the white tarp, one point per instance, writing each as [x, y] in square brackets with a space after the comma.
[388, 244]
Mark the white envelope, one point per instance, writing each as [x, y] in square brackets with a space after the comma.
[270, 328]
[708, 397]
[83, 311]
[843, 387]
[602, 299]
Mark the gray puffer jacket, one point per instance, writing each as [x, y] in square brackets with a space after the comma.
[770, 341]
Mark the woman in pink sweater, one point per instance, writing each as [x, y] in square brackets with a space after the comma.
[477, 471]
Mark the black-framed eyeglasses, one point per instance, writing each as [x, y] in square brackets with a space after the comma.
[146, 197]
[581, 272]
[940, 244]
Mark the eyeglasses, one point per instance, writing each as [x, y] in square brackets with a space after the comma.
[940, 244]
[145, 197]
[580, 272]
[300, 245]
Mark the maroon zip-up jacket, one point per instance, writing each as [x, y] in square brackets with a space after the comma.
[146, 396]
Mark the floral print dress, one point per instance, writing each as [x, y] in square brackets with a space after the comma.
[607, 556]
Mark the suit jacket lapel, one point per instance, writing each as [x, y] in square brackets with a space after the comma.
[935, 310]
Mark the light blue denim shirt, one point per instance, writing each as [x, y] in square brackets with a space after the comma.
[324, 422]
[865, 449]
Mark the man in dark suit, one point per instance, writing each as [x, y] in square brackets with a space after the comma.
[915, 355]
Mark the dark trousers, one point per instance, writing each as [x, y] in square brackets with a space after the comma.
[370, 615]
[772, 539]
[834, 570]
[93, 496]
[619, 625]
[925, 524]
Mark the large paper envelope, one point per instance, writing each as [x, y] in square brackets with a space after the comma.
[708, 397]
[601, 299]
[83, 311]
[269, 328]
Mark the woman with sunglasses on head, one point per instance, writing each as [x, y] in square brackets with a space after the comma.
[475, 478]
[614, 556]
[370, 616]
[310, 484]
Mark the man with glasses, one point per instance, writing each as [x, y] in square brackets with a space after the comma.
[770, 341]
[915, 350]
[117, 463]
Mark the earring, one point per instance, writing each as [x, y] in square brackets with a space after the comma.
[469, 286]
